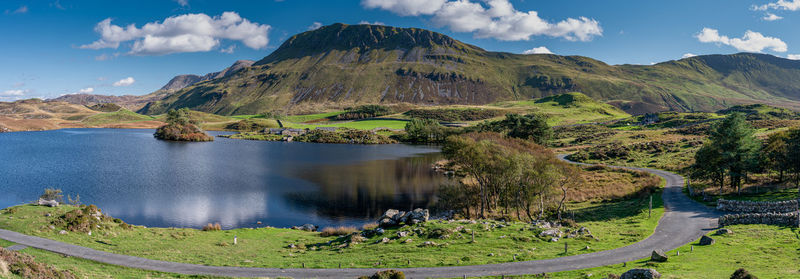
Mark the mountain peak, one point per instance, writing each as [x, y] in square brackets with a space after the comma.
[363, 38]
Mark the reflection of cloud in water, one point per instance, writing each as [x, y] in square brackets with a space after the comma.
[231, 210]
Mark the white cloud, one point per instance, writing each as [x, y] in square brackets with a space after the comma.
[371, 23]
[124, 82]
[771, 17]
[792, 5]
[688, 55]
[491, 19]
[538, 50]
[228, 50]
[793, 56]
[20, 10]
[13, 92]
[405, 7]
[87, 90]
[750, 42]
[314, 26]
[183, 3]
[182, 33]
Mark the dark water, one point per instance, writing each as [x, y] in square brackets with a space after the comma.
[144, 181]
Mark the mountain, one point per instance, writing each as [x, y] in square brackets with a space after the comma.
[342, 65]
[132, 102]
[183, 81]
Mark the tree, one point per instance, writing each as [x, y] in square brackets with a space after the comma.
[532, 127]
[793, 154]
[775, 153]
[732, 148]
[178, 117]
[425, 130]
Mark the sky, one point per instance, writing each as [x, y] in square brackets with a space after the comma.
[49, 48]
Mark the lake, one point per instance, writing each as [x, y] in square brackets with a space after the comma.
[144, 181]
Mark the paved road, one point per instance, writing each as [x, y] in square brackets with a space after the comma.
[684, 221]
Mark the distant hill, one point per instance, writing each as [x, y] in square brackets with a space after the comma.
[132, 102]
[341, 65]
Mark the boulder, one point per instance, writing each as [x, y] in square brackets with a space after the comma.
[706, 240]
[658, 256]
[50, 203]
[306, 227]
[402, 234]
[388, 219]
[418, 215]
[550, 233]
[723, 231]
[641, 273]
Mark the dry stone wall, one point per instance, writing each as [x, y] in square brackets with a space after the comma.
[757, 206]
[778, 219]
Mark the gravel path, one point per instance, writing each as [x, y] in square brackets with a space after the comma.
[684, 221]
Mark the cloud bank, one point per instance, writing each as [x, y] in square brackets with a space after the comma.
[538, 50]
[750, 42]
[182, 33]
[496, 19]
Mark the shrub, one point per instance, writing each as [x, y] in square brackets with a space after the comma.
[344, 135]
[386, 274]
[51, 194]
[11, 210]
[212, 227]
[569, 223]
[83, 219]
[25, 266]
[337, 231]
[742, 274]
[182, 132]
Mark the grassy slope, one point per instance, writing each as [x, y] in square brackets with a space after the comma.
[120, 116]
[568, 108]
[765, 251]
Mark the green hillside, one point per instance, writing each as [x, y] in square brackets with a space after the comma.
[344, 65]
[116, 117]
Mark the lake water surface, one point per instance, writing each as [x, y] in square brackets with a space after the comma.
[144, 181]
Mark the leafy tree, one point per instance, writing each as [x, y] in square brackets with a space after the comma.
[775, 153]
[425, 130]
[532, 127]
[733, 147]
[793, 154]
[178, 117]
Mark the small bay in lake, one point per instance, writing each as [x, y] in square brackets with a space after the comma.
[144, 181]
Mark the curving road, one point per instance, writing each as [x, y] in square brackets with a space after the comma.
[684, 221]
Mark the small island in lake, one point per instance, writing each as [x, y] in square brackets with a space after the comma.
[181, 128]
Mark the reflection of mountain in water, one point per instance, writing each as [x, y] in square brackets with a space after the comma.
[365, 190]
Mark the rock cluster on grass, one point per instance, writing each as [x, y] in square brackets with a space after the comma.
[706, 240]
[641, 273]
[757, 206]
[50, 203]
[659, 256]
[723, 231]
[778, 219]
[306, 227]
[394, 217]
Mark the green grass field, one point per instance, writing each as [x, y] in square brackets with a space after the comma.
[121, 116]
[765, 251]
[615, 224]
[357, 124]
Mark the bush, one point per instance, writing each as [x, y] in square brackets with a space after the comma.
[51, 194]
[344, 135]
[83, 219]
[212, 227]
[178, 132]
[742, 274]
[337, 231]
[386, 274]
[426, 131]
[25, 266]
[248, 125]
[362, 112]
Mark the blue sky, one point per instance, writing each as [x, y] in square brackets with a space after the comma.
[50, 47]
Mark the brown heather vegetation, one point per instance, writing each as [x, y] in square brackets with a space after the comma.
[212, 227]
[605, 183]
[337, 231]
[25, 266]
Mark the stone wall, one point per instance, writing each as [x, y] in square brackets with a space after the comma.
[778, 219]
[757, 207]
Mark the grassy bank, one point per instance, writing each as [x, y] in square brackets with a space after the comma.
[614, 224]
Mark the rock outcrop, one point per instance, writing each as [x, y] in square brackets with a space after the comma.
[394, 217]
[641, 273]
[659, 256]
[50, 203]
